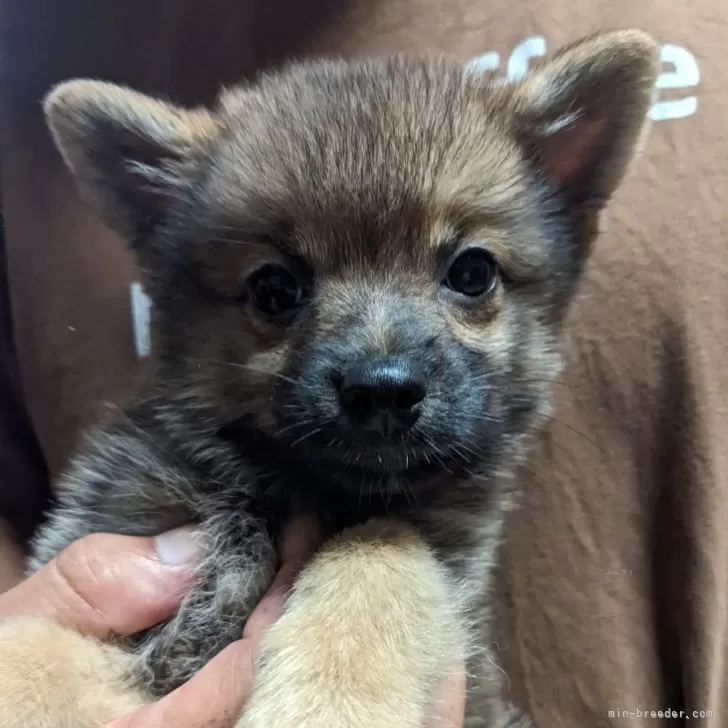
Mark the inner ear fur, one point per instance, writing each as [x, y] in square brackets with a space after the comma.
[581, 116]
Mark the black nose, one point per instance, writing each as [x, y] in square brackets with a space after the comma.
[382, 394]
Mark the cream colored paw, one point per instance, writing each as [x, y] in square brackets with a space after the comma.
[363, 635]
[51, 677]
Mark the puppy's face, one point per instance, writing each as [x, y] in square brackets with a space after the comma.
[366, 263]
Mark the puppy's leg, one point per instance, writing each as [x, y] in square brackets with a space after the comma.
[51, 677]
[369, 627]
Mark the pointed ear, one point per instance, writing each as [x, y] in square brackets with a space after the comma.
[581, 116]
[130, 154]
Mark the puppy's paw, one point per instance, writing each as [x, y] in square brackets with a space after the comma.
[365, 632]
[52, 677]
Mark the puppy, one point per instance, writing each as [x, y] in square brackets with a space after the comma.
[359, 272]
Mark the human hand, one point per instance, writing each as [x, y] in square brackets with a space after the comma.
[107, 585]
[226, 681]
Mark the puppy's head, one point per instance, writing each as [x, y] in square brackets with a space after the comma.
[366, 263]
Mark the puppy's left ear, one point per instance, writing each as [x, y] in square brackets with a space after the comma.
[581, 116]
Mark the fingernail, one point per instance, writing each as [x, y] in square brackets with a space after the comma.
[179, 547]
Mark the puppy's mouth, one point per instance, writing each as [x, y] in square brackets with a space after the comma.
[387, 458]
[390, 466]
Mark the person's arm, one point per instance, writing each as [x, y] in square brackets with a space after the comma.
[11, 558]
[24, 486]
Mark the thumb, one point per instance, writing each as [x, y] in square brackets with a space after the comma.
[106, 584]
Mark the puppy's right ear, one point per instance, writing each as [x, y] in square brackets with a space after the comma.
[130, 154]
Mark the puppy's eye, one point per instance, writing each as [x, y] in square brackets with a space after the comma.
[473, 273]
[275, 291]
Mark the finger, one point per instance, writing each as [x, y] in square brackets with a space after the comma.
[106, 584]
[300, 541]
[448, 708]
[214, 698]
[301, 537]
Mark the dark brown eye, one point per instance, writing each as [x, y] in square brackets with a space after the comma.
[275, 291]
[473, 273]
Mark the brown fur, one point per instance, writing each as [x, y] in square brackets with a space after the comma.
[374, 176]
[406, 640]
[55, 678]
